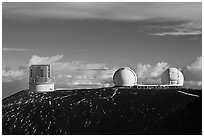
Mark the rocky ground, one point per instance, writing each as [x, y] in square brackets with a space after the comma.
[103, 111]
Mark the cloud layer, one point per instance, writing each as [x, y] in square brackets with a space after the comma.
[148, 74]
[178, 33]
[188, 28]
[15, 49]
[113, 11]
[10, 75]
[188, 15]
[193, 72]
[78, 74]
[44, 60]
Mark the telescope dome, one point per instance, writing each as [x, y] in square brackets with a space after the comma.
[172, 76]
[125, 77]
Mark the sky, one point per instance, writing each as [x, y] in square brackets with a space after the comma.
[85, 42]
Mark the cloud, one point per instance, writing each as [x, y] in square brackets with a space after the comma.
[44, 60]
[106, 10]
[79, 74]
[188, 28]
[15, 49]
[74, 78]
[193, 72]
[177, 33]
[193, 84]
[186, 15]
[76, 74]
[148, 74]
[10, 75]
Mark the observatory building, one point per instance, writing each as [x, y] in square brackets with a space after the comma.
[40, 78]
[172, 76]
[125, 77]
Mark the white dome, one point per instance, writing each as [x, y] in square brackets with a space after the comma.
[172, 76]
[125, 77]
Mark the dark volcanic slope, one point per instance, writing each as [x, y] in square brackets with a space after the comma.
[102, 111]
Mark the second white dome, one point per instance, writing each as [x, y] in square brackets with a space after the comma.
[172, 76]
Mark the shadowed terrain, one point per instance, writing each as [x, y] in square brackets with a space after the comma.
[103, 111]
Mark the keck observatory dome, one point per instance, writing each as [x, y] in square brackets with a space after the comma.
[125, 77]
[172, 76]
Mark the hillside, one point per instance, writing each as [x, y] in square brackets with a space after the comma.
[103, 111]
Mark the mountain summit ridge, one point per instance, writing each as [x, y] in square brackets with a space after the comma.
[103, 111]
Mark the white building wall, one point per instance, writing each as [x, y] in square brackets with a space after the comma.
[41, 87]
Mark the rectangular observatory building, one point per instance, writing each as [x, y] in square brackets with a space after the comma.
[40, 78]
